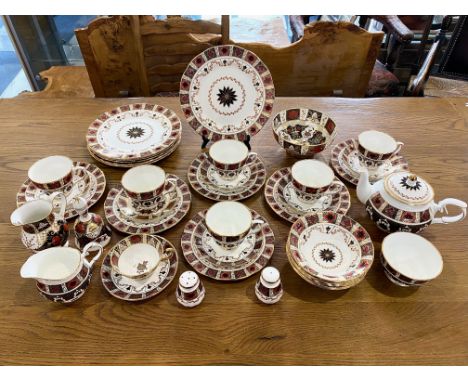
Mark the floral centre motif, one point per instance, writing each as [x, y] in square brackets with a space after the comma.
[226, 96]
[141, 267]
[327, 255]
[135, 132]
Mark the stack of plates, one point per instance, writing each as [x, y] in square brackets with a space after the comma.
[135, 134]
[329, 250]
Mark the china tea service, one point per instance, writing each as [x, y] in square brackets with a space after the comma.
[227, 96]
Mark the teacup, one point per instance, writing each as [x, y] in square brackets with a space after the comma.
[228, 156]
[52, 173]
[409, 259]
[230, 222]
[140, 260]
[311, 178]
[145, 186]
[377, 146]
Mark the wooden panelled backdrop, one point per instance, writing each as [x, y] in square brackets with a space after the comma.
[374, 323]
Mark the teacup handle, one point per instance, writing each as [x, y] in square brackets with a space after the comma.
[259, 223]
[167, 254]
[442, 207]
[86, 251]
[399, 146]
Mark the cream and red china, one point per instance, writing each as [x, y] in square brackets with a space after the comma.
[377, 146]
[88, 182]
[229, 223]
[311, 178]
[281, 197]
[268, 288]
[404, 201]
[89, 227]
[208, 258]
[130, 289]
[206, 180]
[122, 217]
[62, 274]
[348, 163]
[140, 259]
[303, 132]
[52, 173]
[133, 133]
[190, 292]
[330, 250]
[42, 222]
[145, 186]
[226, 92]
[228, 156]
[129, 164]
[409, 259]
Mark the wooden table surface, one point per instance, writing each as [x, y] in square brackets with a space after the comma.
[375, 322]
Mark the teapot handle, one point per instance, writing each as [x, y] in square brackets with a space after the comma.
[86, 250]
[442, 207]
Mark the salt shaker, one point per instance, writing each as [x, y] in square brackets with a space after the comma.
[268, 288]
[89, 227]
[190, 291]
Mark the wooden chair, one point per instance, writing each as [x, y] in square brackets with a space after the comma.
[141, 56]
[329, 59]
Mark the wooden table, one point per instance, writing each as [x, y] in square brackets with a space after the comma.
[374, 323]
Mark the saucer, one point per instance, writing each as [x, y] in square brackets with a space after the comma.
[330, 250]
[119, 213]
[209, 259]
[281, 197]
[205, 179]
[347, 162]
[226, 92]
[90, 191]
[128, 289]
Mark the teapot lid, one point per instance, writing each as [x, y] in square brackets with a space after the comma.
[409, 188]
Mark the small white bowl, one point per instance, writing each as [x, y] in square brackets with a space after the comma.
[409, 259]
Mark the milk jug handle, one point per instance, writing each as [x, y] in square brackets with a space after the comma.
[442, 207]
[59, 199]
[87, 249]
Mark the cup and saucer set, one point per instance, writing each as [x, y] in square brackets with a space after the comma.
[227, 95]
[59, 174]
[373, 151]
[147, 201]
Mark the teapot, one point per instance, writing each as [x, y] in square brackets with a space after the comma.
[62, 274]
[403, 201]
[42, 226]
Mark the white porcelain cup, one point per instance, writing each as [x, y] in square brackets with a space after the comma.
[311, 178]
[52, 173]
[230, 222]
[377, 146]
[228, 156]
[145, 186]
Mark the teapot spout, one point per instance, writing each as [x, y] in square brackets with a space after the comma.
[364, 187]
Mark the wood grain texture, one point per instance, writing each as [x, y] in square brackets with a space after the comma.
[329, 57]
[374, 323]
[64, 82]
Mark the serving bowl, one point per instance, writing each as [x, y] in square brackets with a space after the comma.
[303, 132]
[329, 250]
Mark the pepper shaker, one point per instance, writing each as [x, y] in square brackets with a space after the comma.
[89, 227]
[268, 288]
[190, 291]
